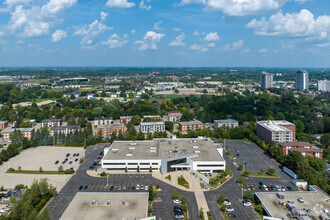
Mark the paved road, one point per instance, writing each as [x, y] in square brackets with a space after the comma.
[163, 209]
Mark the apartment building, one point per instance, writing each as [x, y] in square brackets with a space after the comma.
[49, 123]
[231, 123]
[152, 117]
[3, 125]
[65, 129]
[304, 148]
[172, 116]
[103, 121]
[150, 127]
[277, 130]
[125, 119]
[26, 133]
[108, 130]
[186, 126]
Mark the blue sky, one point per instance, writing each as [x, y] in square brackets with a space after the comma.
[196, 33]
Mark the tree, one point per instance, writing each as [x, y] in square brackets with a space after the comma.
[221, 198]
[316, 163]
[300, 127]
[175, 194]
[246, 173]
[40, 169]
[150, 169]
[60, 168]
[26, 123]
[240, 166]
[271, 171]
[262, 170]
[136, 120]
[151, 192]
[138, 168]
[325, 140]
[169, 126]
[140, 136]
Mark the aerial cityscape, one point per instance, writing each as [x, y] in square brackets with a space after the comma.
[183, 109]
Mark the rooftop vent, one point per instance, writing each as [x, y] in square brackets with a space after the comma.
[169, 142]
[192, 141]
[115, 150]
[197, 151]
[133, 143]
[129, 155]
[123, 202]
[195, 147]
[176, 149]
[153, 147]
[108, 202]
[131, 148]
[93, 202]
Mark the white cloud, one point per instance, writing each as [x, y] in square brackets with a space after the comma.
[211, 44]
[157, 26]
[150, 40]
[115, 41]
[20, 42]
[103, 15]
[2, 33]
[239, 7]
[142, 5]
[176, 29]
[237, 45]
[35, 21]
[196, 33]
[58, 35]
[178, 42]
[91, 31]
[212, 36]
[133, 31]
[198, 47]
[302, 24]
[263, 50]
[119, 4]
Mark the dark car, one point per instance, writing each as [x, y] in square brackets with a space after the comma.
[133, 187]
[102, 153]
[68, 154]
[63, 162]
[91, 167]
[95, 163]
[237, 155]
[80, 187]
[70, 162]
[177, 209]
[56, 162]
[261, 188]
[77, 155]
[273, 188]
[85, 187]
[289, 188]
[232, 215]
[261, 183]
[66, 159]
[74, 155]
[111, 188]
[76, 160]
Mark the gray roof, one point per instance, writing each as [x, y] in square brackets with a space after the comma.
[164, 148]
[10, 130]
[51, 120]
[152, 123]
[195, 122]
[226, 121]
[70, 127]
[2, 122]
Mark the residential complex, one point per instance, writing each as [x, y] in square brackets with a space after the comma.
[278, 131]
[266, 80]
[108, 130]
[186, 126]
[302, 81]
[231, 123]
[152, 117]
[3, 125]
[26, 132]
[165, 155]
[150, 127]
[173, 116]
[323, 85]
[103, 121]
[305, 148]
[51, 123]
[65, 129]
[125, 119]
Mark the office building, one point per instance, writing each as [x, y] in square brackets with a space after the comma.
[51, 123]
[150, 127]
[165, 155]
[278, 131]
[302, 81]
[231, 123]
[266, 80]
[172, 116]
[323, 85]
[26, 133]
[186, 126]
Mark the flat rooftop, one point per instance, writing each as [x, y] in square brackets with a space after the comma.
[152, 123]
[226, 121]
[275, 125]
[195, 122]
[159, 149]
[81, 207]
[313, 200]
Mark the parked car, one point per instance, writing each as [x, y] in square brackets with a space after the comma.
[233, 215]
[77, 155]
[102, 153]
[269, 188]
[301, 200]
[176, 201]
[80, 187]
[179, 215]
[70, 162]
[229, 209]
[248, 187]
[68, 154]
[74, 155]
[76, 160]
[261, 183]
[124, 188]
[246, 203]
[325, 210]
[56, 162]
[85, 187]
[100, 157]
[227, 202]
[111, 188]
[289, 188]
[142, 187]
[146, 188]
[252, 187]
[133, 187]
[137, 187]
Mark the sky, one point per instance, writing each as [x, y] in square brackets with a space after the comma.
[166, 33]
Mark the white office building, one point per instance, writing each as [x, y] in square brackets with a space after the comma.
[302, 81]
[165, 155]
[323, 85]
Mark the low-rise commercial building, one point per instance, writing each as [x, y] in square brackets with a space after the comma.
[26, 133]
[278, 131]
[150, 127]
[3, 125]
[65, 129]
[108, 130]
[49, 123]
[103, 121]
[165, 155]
[172, 116]
[186, 126]
[231, 123]
[304, 147]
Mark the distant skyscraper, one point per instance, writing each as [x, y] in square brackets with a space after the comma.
[323, 85]
[302, 80]
[266, 80]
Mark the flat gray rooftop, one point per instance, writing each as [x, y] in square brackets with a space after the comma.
[313, 200]
[81, 207]
[158, 149]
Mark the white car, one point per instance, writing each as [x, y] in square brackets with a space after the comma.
[227, 202]
[176, 201]
[229, 209]
[247, 203]
[325, 210]
[137, 187]
[146, 188]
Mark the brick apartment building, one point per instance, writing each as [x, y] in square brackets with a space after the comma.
[186, 126]
[278, 131]
[3, 125]
[26, 132]
[49, 123]
[108, 130]
[304, 148]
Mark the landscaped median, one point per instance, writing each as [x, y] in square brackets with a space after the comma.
[183, 182]
[44, 172]
[220, 178]
[270, 173]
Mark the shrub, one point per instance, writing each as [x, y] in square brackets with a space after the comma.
[69, 171]
[175, 194]
[201, 214]
[19, 186]
[157, 186]
[11, 170]
[149, 209]
[183, 182]
[259, 209]
[103, 174]
[209, 215]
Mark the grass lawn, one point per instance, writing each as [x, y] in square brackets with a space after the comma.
[263, 175]
[45, 172]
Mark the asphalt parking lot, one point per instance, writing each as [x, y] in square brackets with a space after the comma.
[162, 209]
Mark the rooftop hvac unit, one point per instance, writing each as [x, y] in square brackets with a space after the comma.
[176, 149]
[197, 151]
[131, 148]
[195, 147]
[152, 151]
[169, 142]
[153, 147]
[123, 202]
[108, 202]
[115, 150]
[129, 155]
[133, 143]
[93, 202]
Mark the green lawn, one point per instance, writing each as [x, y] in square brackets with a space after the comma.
[263, 175]
[45, 172]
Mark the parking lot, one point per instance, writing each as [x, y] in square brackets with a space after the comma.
[45, 157]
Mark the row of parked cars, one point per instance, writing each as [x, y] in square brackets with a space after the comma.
[178, 212]
[273, 188]
[67, 158]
